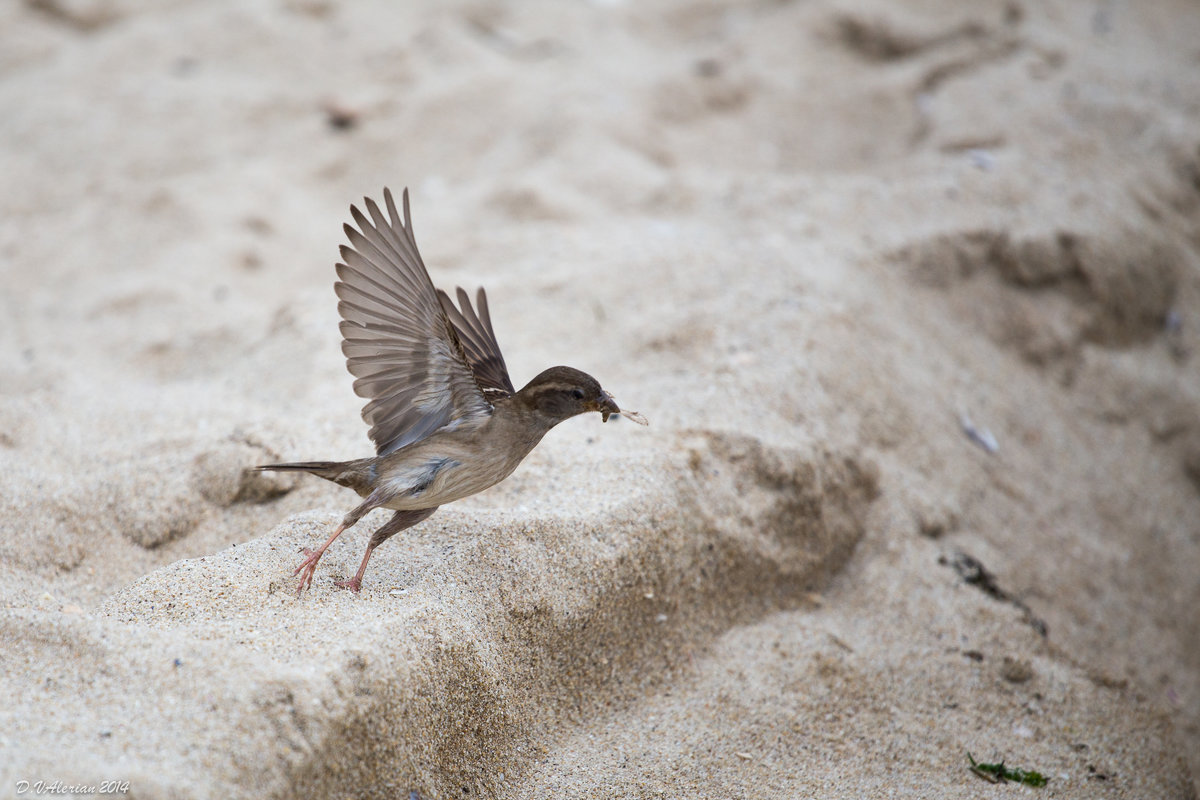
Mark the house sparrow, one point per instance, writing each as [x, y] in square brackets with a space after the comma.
[444, 416]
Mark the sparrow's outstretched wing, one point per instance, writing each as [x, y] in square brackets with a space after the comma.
[397, 339]
[479, 342]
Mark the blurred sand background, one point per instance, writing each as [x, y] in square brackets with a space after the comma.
[910, 293]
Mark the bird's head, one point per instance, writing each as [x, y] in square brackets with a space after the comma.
[560, 393]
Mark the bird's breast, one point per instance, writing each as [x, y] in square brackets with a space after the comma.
[444, 479]
[458, 464]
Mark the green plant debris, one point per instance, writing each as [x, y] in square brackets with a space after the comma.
[999, 773]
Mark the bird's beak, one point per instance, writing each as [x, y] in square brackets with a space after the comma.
[607, 406]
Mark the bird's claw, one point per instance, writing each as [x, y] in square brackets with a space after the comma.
[352, 584]
[307, 569]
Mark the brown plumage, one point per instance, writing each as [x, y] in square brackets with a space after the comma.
[444, 416]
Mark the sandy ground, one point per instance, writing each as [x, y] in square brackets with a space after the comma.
[909, 292]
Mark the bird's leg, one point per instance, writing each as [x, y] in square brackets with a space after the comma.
[309, 566]
[399, 521]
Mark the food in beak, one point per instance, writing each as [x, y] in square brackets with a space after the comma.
[610, 407]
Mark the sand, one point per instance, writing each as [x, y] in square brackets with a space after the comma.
[910, 294]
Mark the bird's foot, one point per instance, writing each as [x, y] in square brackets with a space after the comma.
[353, 584]
[307, 568]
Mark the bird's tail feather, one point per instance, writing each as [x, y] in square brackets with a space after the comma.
[315, 467]
[345, 473]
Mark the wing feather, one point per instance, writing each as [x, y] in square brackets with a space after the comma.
[478, 340]
[400, 345]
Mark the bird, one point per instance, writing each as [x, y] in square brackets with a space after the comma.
[444, 416]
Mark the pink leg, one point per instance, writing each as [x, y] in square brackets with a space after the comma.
[309, 565]
[399, 521]
[355, 583]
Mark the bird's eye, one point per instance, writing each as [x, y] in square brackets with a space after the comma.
[577, 394]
